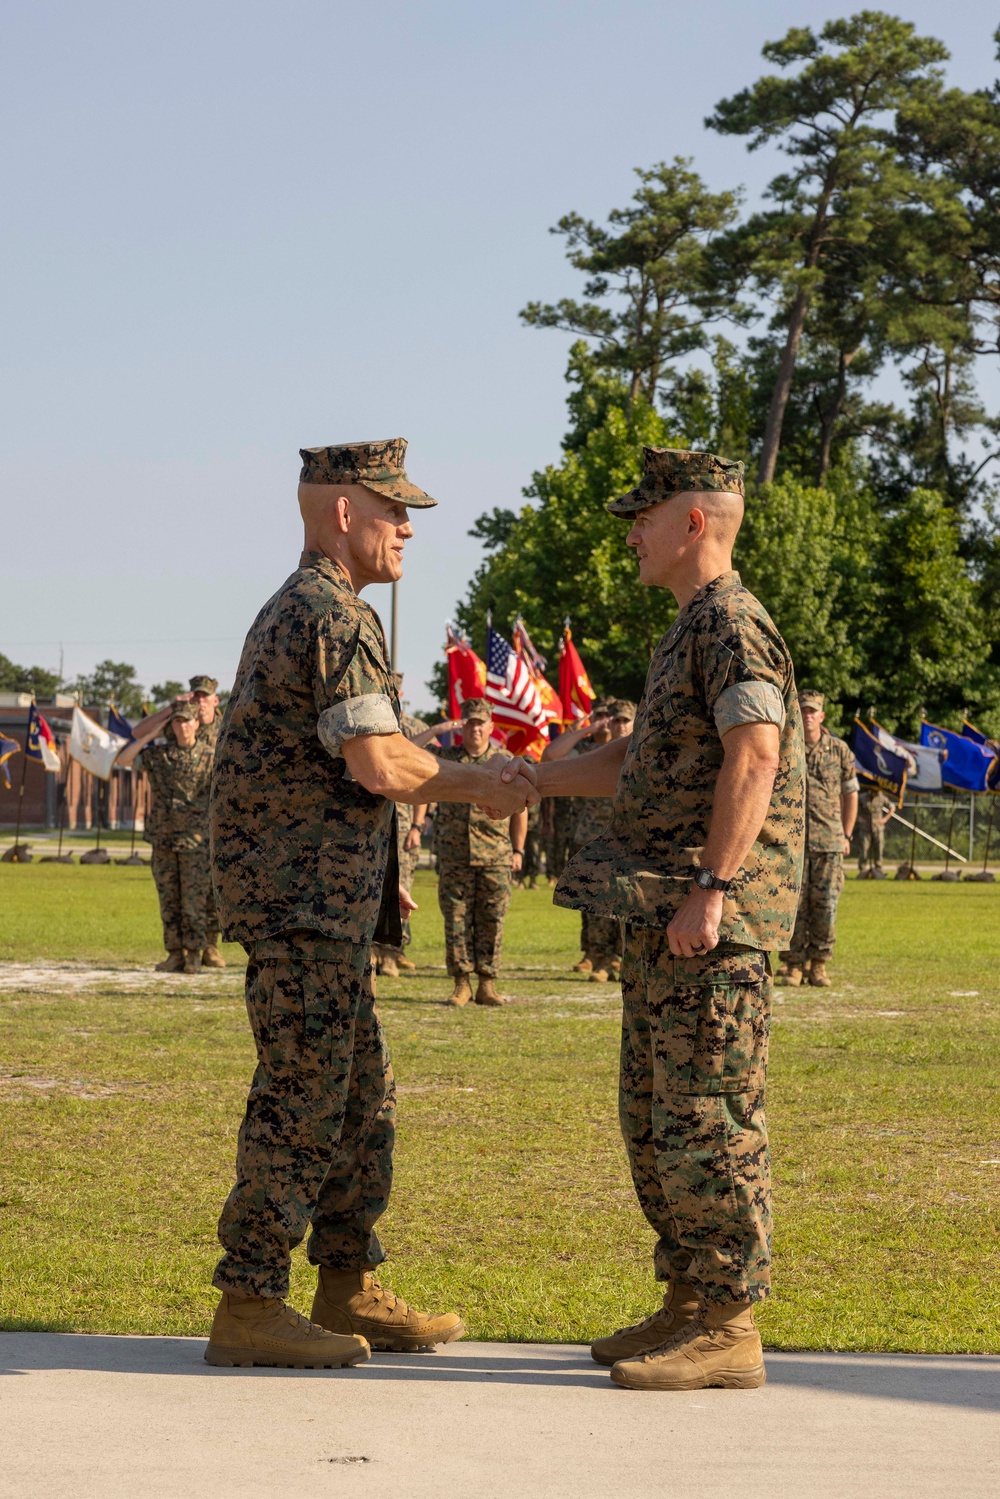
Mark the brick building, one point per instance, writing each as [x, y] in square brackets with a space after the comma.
[88, 801]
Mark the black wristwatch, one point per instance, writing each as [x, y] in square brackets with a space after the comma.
[706, 879]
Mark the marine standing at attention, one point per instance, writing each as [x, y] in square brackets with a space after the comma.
[205, 696]
[309, 763]
[831, 808]
[477, 855]
[180, 778]
[874, 812]
[702, 859]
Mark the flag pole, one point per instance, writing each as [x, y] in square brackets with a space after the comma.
[907, 871]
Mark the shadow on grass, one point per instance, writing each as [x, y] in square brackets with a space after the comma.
[971, 1382]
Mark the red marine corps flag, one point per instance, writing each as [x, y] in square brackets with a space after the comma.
[466, 673]
[574, 685]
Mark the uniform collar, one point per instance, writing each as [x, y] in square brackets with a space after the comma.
[334, 572]
[711, 590]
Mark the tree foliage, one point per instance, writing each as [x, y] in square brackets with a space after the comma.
[871, 530]
[33, 679]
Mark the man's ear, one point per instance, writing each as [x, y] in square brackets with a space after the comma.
[342, 510]
[696, 522]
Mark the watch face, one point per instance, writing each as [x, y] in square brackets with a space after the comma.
[704, 879]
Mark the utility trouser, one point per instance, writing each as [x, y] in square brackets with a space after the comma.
[691, 1106]
[816, 918]
[183, 880]
[474, 904]
[315, 1145]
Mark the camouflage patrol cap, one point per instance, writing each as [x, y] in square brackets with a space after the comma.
[204, 684]
[811, 699]
[670, 471]
[476, 709]
[183, 711]
[622, 708]
[376, 465]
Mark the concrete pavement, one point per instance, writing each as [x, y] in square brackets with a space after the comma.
[108, 1416]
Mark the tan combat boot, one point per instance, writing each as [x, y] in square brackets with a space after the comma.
[212, 957]
[173, 962]
[585, 964]
[192, 961]
[263, 1330]
[406, 965]
[602, 971]
[719, 1349]
[388, 967]
[790, 977]
[462, 992]
[615, 969]
[486, 993]
[818, 976]
[680, 1306]
[353, 1301]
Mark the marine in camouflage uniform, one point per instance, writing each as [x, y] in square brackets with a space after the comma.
[695, 1029]
[874, 810]
[300, 853]
[600, 936]
[559, 824]
[205, 694]
[831, 777]
[474, 876]
[532, 865]
[388, 957]
[180, 779]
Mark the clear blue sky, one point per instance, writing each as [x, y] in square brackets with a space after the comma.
[235, 229]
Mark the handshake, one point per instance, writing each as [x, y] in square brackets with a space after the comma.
[512, 788]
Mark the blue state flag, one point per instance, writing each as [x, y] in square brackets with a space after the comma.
[8, 747]
[878, 765]
[967, 764]
[119, 725]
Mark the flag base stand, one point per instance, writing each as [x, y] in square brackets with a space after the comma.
[56, 859]
[908, 872]
[132, 859]
[18, 853]
[984, 877]
[872, 874]
[949, 876]
[96, 856]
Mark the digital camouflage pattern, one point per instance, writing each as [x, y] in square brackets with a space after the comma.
[600, 936]
[377, 465]
[816, 920]
[473, 901]
[464, 834]
[670, 471]
[474, 878]
[873, 807]
[691, 1106]
[531, 865]
[209, 732]
[830, 774]
[296, 843]
[642, 866]
[316, 1143]
[183, 880]
[180, 780]
[558, 823]
[203, 684]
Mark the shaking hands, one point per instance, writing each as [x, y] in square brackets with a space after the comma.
[512, 786]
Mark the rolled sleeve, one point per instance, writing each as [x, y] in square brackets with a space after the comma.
[355, 718]
[748, 702]
[851, 784]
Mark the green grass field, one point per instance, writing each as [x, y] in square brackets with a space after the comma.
[119, 1104]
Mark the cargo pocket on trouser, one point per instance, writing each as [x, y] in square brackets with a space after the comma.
[713, 1032]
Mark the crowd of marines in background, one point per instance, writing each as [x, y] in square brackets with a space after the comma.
[480, 859]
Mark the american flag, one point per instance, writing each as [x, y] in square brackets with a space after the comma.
[510, 687]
